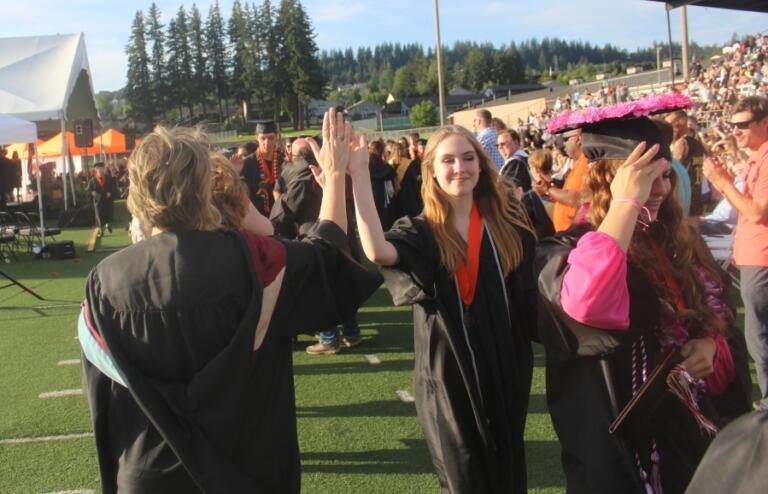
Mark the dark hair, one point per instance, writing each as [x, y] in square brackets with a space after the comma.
[757, 105]
[512, 133]
[666, 129]
[249, 147]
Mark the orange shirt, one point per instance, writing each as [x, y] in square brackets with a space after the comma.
[562, 215]
[750, 247]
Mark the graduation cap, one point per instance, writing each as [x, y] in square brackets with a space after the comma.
[266, 127]
[613, 132]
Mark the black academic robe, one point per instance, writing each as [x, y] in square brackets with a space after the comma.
[204, 343]
[105, 196]
[298, 207]
[260, 186]
[409, 197]
[471, 383]
[595, 461]
[381, 173]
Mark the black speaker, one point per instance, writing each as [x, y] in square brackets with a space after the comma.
[84, 133]
[62, 250]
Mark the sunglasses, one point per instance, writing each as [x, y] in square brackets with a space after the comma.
[742, 125]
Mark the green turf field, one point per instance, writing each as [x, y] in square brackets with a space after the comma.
[355, 435]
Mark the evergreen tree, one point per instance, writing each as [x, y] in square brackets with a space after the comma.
[156, 36]
[217, 57]
[239, 45]
[305, 75]
[201, 85]
[138, 88]
[273, 64]
[179, 62]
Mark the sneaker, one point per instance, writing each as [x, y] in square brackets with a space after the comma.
[109, 228]
[321, 348]
[351, 342]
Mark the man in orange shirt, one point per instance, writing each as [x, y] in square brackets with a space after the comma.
[750, 248]
[568, 198]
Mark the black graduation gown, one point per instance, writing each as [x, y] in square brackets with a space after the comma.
[381, 173]
[471, 387]
[259, 189]
[409, 197]
[595, 461]
[203, 411]
[105, 205]
[299, 204]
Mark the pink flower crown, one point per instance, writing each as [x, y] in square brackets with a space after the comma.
[631, 109]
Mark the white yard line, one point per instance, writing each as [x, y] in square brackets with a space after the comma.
[79, 491]
[70, 362]
[372, 359]
[42, 439]
[61, 393]
[404, 396]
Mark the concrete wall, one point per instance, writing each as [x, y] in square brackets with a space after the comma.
[508, 113]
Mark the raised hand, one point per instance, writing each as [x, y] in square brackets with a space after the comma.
[333, 156]
[358, 152]
[634, 178]
[717, 173]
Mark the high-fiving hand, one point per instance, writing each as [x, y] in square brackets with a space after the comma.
[341, 150]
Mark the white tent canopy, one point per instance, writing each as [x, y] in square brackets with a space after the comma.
[45, 78]
[14, 130]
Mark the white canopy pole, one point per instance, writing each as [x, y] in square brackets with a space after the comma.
[64, 152]
[40, 198]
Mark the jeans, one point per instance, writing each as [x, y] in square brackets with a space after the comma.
[754, 292]
[351, 330]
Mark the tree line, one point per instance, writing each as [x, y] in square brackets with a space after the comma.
[263, 59]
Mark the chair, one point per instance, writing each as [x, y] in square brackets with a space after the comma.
[9, 241]
[29, 231]
[721, 247]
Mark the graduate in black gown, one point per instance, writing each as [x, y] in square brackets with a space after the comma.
[619, 292]
[186, 336]
[465, 265]
[298, 204]
[101, 189]
[261, 170]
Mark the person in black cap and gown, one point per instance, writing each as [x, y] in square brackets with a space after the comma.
[262, 169]
[619, 291]
[101, 190]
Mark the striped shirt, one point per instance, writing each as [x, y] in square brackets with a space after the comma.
[487, 139]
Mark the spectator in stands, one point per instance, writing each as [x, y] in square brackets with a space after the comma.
[688, 151]
[750, 252]
[486, 135]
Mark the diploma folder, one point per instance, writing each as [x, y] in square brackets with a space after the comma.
[644, 411]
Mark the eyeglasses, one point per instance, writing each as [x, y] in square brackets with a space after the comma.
[742, 125]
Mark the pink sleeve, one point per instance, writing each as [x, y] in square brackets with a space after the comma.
[594, 290]
[724, 371]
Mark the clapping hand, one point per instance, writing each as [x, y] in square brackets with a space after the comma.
[717, 173]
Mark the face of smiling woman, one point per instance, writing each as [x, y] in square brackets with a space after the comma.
[661, 188]
[457, 166]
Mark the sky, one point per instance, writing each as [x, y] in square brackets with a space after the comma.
[352, 23]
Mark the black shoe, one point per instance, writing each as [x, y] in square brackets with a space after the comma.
[109, 228]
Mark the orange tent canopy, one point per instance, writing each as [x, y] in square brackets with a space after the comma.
[112, 140]
[52, 147]
[21, 148]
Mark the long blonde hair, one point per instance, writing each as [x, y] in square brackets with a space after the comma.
[229, 193]
[500, 210]
[670, 232]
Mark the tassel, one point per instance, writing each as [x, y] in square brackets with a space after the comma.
[681, 384]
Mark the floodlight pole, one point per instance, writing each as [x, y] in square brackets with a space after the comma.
[684, 40]
[669, 35]
[439, 53]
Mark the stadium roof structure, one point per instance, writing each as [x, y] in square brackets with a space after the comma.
[46, 80]
[748, 5]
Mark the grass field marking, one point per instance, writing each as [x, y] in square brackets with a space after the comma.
[69, 362]
[61, 393]
[372, 359]
[44, 439]
[78, 491]
[404, 396]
